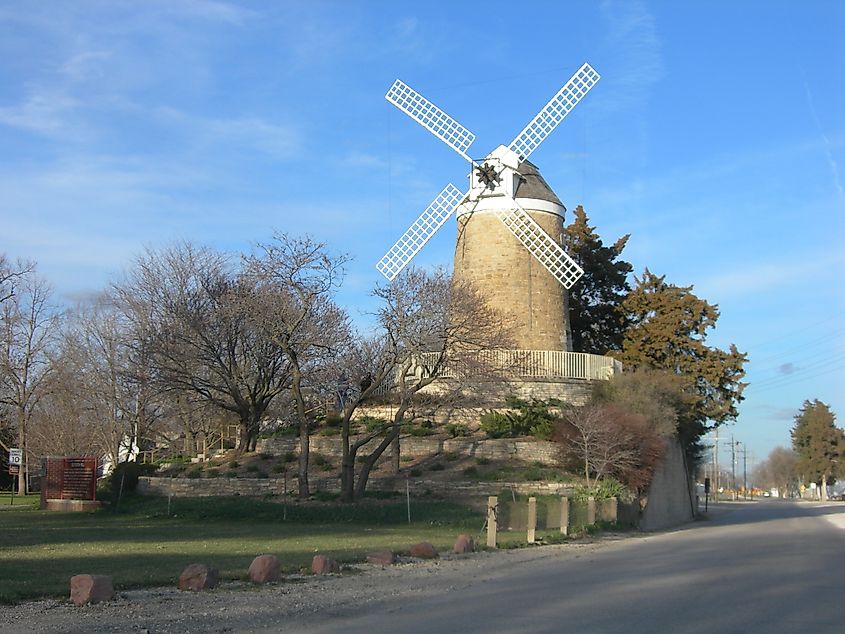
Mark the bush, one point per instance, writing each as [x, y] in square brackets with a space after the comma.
[234, 464]
[194, 473]
[455, 430]
[498, 425]
[415, 473]
[290, 456]
[421, 431]
[129, 472]
[529, 418]
[471, 472]
[437, 466]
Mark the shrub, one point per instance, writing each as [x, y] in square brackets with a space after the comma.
[472, 472]
[265, 456]
[129, 472]
[371, 423]
[290, 456]
[482, 461]
[319, 460]
[421, 431]
[455, 430]
[253, 468]
[437, 466]
[234, 464]
[529, 418]
[279, 468]
[497, 424]
[415, 473]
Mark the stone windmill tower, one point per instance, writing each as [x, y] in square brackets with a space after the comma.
[510, 222]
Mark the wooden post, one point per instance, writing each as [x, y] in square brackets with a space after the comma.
[532, 519]
[614, 510]
[591, 511]
[564, 515]
[492, 507]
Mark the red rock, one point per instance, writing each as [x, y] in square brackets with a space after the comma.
[382, 558]
[464, 544]
[264, 568]
[322, 565]
[424, 550]
[90, 589]
[198, 577]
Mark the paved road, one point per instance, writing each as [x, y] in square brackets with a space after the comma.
[755, 567]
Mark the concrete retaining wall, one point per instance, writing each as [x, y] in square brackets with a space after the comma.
[669, 501]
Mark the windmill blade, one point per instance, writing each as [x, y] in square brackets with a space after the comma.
[555, 111]
[420, 232]
[541, 245]
[430, 117]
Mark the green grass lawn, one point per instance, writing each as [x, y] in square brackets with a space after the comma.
[142, 546]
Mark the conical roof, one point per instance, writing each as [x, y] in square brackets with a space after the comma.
[533, 185]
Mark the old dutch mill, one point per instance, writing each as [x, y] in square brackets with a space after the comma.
[509, 243]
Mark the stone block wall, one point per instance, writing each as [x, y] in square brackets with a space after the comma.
[541, 451]
[489, 256]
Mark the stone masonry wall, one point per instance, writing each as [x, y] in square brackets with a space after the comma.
[421, 447]
[255, 487]
[513, 281]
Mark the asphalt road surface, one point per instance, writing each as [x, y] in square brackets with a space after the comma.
[755, 567]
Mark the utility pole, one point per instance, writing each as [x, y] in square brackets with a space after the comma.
[733, 468]
[716, 457]
[745, 470]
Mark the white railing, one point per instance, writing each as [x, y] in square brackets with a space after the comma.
[537, 364]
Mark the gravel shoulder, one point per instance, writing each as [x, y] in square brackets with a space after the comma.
[289, 605]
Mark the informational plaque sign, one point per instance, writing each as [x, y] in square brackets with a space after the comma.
[70, 478]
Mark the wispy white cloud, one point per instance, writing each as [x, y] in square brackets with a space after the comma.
[42, 113]
[782, 270]
[831, 161]
[278, 141]
[634, 48]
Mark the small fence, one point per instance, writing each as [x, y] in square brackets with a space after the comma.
[558, 514]
[533, 364]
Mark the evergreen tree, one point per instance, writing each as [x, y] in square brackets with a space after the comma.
[667, 331]
[595, 318]
[818, 443]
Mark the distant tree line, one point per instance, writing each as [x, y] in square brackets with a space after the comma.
[816, 457]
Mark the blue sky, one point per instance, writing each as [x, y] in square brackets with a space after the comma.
[716, 138]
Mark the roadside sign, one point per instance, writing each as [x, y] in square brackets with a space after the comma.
[14, 469]
[15, 456]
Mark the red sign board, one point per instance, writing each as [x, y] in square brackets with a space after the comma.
[14, 469]
[70, 478]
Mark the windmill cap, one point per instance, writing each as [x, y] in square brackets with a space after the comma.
[533, 185]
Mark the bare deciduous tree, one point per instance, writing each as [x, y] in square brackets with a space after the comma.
[192, 309]
[609, 442]
[10, 274]
[294, 281]
[28, 329]
[431, 330]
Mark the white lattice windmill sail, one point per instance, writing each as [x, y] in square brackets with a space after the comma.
[430, 117]
[492, 178]
[555, 111]
[420, 231]
[541, 245]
